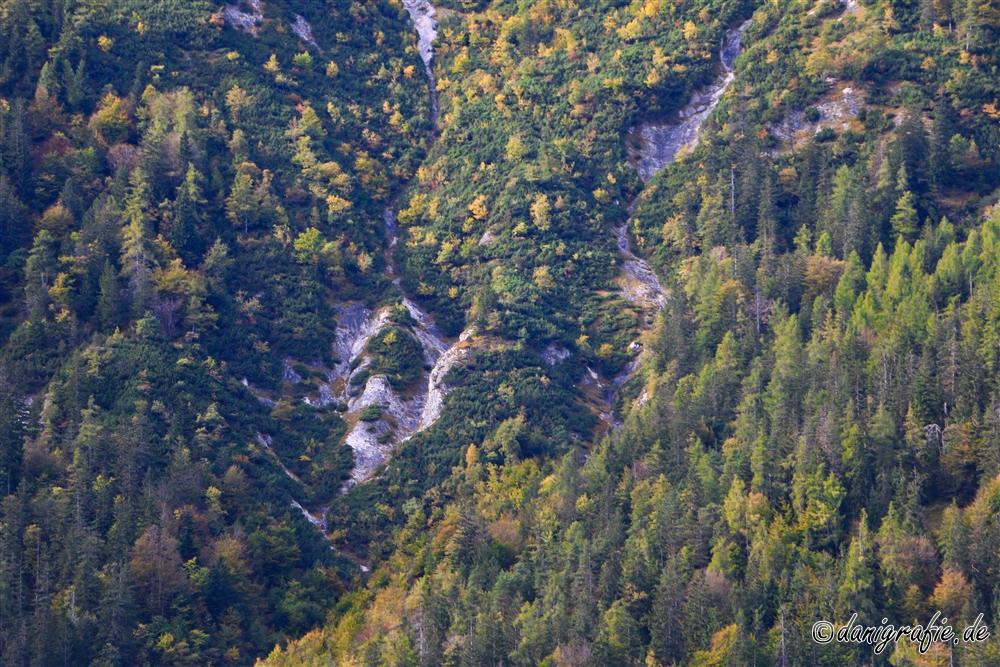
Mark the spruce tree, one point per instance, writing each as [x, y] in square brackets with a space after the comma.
[109, 301]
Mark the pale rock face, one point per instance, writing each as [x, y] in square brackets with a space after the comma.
[422, 16]
[304, 31]
[436, 389]
[251, 21]
[638, 283]
[553, 354]
[373, 442]
[633, 367]
[379, 392]
[640, 286]
[246, 21]
[319, 522]
[660, 142]
[427, 333]
[288, 373]
[643, 397]
[838, 109]
[403, 416]
[389, 218]
[850, 7]
[369, 453]
[357, 325]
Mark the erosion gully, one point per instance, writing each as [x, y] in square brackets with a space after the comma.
[404, 415]
[659, 143]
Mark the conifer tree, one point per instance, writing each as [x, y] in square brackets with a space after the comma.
[109, 302]
[136, 257]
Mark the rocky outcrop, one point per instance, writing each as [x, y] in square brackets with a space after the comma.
[553, 354]
[436, 387]
[838, 109]
[247, 21]
[355, 327]
[403, 415]
[660, 142]
[637, 283]
[373, 441]
[304, 31]
[422, 15]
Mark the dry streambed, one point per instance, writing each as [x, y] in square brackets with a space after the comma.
[403, 414]
[408, 413]
[659, 143]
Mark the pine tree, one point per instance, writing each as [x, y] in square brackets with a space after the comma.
[714, 222]
[39, 274]
[13, 218]
[857, 579]
[911, 151]
[927, 396]
[137, 260]
[465, 548]
[75, 82]
[928, 15]
[242, 205]
[11, 436]
[109, 303]
[844, 219]
[666, 616]
[184, 234]
[47, 80]
[904, 220]
[767, 225]
[784, 392]
[954, 538]
[942, 130]
[116, 613]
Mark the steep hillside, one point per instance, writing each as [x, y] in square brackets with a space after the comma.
[493, 333]
[811, 430]
[188, 195]
[214, 332]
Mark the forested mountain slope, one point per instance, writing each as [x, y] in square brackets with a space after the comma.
[243, 266]
[815, 431]
[187, 192]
